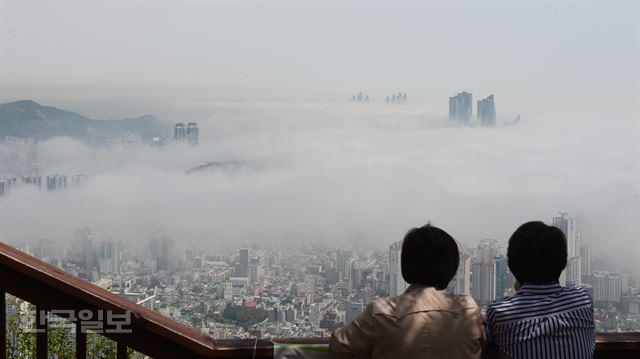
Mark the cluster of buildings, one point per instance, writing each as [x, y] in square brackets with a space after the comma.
[189, 133]
[294, 292]
[51, 183]
[461, 109]
[20, 166]
[360, 98]
[396, 99]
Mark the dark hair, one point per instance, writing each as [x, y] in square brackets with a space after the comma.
[537, 253]
[429, 256]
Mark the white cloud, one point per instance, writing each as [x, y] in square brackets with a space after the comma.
[341, 174]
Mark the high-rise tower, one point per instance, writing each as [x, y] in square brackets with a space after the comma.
[397, 285]
[483, 271]
[193, 133]
[487, 111]
[460, 107]
[573, 272]
[179, 132]
[461, 282]
[242, 269]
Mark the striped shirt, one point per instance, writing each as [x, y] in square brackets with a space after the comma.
[543, 321]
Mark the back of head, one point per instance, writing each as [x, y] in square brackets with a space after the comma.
[537, 253]
[429, 256]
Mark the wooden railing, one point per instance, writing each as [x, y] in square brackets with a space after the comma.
[52, 290]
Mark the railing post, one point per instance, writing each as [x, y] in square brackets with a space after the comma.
[122, 350]
[3, 325]
[81, 341]
[41, 333]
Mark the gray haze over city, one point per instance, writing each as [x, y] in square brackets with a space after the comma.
[269, 87]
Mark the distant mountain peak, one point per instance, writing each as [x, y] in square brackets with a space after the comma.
[29, 119]
[29, 103]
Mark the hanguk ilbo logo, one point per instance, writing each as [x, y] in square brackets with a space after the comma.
[96, 321]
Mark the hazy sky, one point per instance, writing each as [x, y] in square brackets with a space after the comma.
[316, 48]
[319, 167]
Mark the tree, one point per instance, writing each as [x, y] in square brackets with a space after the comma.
[21, 340]
[100, 347]
[21, 336]
[60, 340]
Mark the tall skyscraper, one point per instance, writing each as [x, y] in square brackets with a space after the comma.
[585, 256]
[109, 255]
[344, 264]
[460, 107]
[483, 282]
[567, 224]
[573, 271]
[487, 250]
[461, 282]
[166, 253]
[193, 133]
[242, 268]
[483, 271]
[487, 111]
[397, 285]
[84, 244]
[179, 132]
[255, 271]
[504, 278]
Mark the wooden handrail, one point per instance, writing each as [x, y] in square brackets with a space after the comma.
[50, 288]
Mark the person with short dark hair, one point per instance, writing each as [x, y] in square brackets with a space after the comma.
[425, 321]
[543, 319]
[429, 256]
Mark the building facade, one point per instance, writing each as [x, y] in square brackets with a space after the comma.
[397, 285]
[460, 107]
[487, 111]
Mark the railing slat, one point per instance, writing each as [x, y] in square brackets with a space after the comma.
[41, 334]
[3, 325]
[122, 350]
[81, 341]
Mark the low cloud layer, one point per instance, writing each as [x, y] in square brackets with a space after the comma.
[342, 174]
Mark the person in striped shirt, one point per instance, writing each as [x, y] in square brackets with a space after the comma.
[542, 319]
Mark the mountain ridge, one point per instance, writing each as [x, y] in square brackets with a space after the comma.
[29, 119]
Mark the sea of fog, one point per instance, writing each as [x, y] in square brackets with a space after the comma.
[343, 174]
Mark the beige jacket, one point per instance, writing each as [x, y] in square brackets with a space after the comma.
[421, 323]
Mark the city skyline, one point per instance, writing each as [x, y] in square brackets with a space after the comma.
[292, 291]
